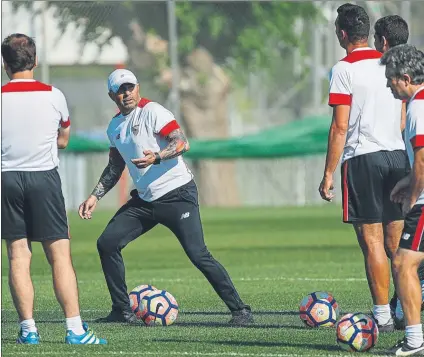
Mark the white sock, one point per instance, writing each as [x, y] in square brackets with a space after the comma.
[27, 326]
[75, 325]
[414, 335]
[382, 313]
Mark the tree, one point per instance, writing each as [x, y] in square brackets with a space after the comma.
[247, 35]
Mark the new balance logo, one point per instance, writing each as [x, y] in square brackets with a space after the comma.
[405, 236]
[185, 215]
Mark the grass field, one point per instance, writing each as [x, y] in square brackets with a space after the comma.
[275, 257]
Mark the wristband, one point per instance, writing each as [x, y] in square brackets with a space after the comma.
[157, 159]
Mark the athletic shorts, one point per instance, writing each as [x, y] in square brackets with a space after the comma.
[412, 237]
[367, 181]
[32, 206]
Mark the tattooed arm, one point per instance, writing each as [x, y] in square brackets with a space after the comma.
[177, 145]
[109, 178]
[111, 174]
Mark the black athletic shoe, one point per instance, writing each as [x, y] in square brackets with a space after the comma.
[120, 317]
[387, 327]
[393, 303]
[403, 349]
[241, 317]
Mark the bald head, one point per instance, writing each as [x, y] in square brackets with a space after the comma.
[19, 53]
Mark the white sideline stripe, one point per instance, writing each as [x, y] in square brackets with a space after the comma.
[281, 278]
[191, 312]
[172, 353]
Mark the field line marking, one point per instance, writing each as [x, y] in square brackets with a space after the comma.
[281, 278]
[191, 312]
[169, 353]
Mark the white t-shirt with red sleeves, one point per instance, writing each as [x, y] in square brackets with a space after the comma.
[32, 113]
[414, 129]
[146, 128]
[359, 81]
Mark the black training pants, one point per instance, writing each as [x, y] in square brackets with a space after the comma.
[179, 211]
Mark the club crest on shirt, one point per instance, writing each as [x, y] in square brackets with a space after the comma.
[118, 136]
[135, 129]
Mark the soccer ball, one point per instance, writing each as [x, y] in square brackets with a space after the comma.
[136, 295]
[159, 308]
[356, 332]
[330, 299]
[318, 309]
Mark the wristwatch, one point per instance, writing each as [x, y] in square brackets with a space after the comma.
[157, 159]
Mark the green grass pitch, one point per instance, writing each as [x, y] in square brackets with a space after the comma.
[275, 257]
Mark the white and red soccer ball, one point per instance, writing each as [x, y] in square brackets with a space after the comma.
[356, 332]
[319, 309]
[153, 306]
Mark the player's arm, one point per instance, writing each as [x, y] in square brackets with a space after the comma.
[109, 178]
[165, 126]
[177, 145]
[64, 131]
[340, 99]
[111, 174]
[403, 117]
[336, 138]
[417, 176]
[63, 135]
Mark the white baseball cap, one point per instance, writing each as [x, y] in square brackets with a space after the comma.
[118, 77]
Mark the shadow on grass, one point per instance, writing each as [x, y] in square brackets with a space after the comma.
[256, 344]
[225, 313]
[214, 324]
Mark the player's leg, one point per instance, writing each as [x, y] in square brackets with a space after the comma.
[179, 211]
[392, 233]
[132, 220]
[405, 265]
[371, 241]
[362, 182]
[58, 253]
[13, 230]
[398, 168]
[47, 223]
[21, 288]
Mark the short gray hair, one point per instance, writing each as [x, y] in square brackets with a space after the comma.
[404, 59]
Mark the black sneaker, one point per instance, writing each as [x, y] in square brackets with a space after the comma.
[120, 317]
[403, 349]
[387, 327]
[393, 303]
[241, 317]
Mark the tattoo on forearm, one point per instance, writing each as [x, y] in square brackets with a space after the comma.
[111, 174]
[178, 144]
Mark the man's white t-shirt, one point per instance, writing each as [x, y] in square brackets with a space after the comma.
[359, 81]
[414, 129]
[146, 128]
[32, 113]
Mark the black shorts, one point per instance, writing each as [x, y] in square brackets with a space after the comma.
[32, 206]
[412, 237]
[367, 181]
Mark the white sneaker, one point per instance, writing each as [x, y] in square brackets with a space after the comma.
[402, 349]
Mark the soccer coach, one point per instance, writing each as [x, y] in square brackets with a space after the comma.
[145, 137]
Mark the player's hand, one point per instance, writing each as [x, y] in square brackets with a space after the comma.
[406, 205]
[401, 190]
[87, 207]
[326, 187]
[145, 161]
